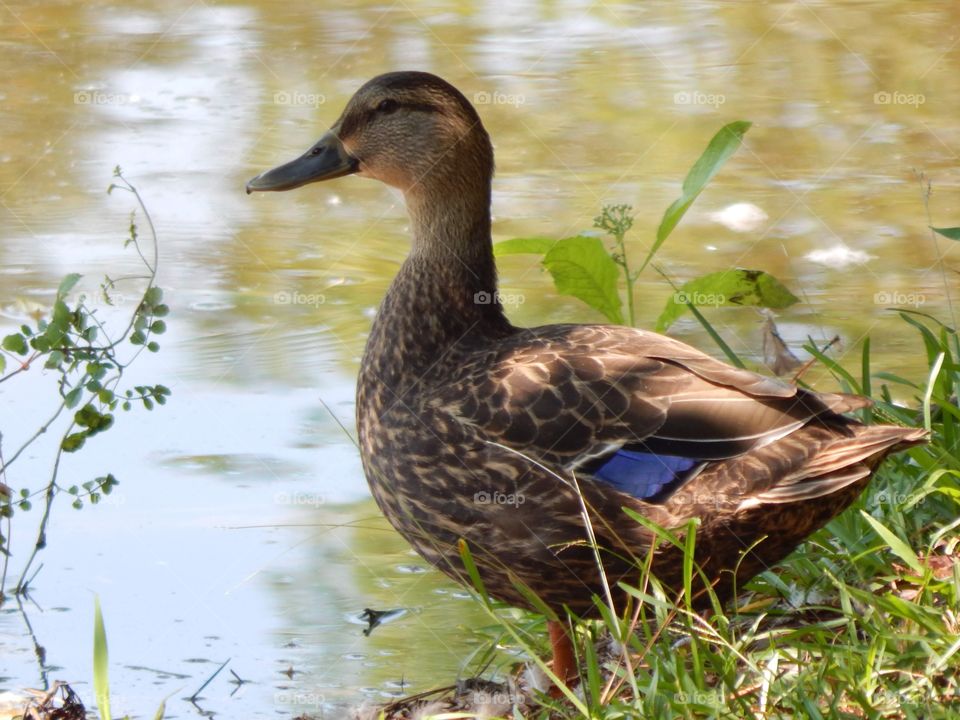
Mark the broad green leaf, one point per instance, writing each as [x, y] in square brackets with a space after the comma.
[898, 546]
[582, 267]
[523, 246]
[66, 285]
[59, 324]
[15, 343]
[727, 287]
[3, 364]
[101, 678]
[950, 233]
[718, 151]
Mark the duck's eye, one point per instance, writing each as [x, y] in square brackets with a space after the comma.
[387, 106]
[316, 151]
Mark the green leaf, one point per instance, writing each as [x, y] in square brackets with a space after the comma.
[753, 288]
[15, 343]
[152, 296]
[523, 246]
[54, 360]
[96, 370]
[74, 441]
[3, 364]
[582, 267]
[67, 284]
[718, 151]
[73, 397]
[898, 546]
[949, 233]
[101, 677]
[59, 324]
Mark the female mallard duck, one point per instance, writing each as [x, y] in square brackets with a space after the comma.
[471, 428]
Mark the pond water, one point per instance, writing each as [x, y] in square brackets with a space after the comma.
[241, 529]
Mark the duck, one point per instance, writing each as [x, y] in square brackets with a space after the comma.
[537, 448]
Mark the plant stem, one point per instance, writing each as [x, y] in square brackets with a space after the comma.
[629, 279]
[925, 190]
[42, 529]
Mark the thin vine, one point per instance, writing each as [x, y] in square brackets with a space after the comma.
[74, 342]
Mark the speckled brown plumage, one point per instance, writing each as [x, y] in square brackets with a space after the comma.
[473, 429]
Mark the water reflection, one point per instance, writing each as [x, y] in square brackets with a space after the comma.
[224, 543]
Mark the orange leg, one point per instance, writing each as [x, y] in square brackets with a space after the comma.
[564, 666]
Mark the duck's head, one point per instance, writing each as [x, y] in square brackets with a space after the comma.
[411, 130]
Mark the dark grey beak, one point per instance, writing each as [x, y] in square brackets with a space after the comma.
[326, 160]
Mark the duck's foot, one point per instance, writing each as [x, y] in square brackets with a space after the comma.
[564, 665]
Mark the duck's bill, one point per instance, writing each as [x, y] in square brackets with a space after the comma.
[326, 160]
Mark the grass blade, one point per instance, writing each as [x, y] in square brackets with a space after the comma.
[928, 393]
[718, 151]
[101, 678]
[727, 350]
[898, 546]
[466, 557]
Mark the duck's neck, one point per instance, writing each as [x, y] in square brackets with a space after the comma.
[446, 290]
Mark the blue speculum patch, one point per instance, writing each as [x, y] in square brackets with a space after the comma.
[644, 475]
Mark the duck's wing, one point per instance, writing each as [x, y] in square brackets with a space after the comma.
[635, 409]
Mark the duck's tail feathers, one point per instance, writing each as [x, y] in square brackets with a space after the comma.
[840, 464]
